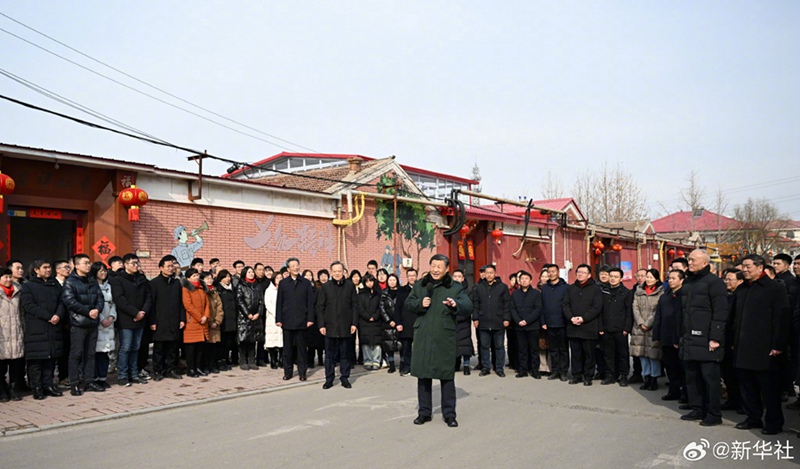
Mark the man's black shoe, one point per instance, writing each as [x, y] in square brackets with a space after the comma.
[771, 431]
[52, 391]
[173, 375]
[684, 407]
[485, 373]
[575, 380]
[327, 385]
[93, 387]
[421, 420]
[521, 375]
[346, 384]
[302, 377]
[748, 424]
[623, 381]
[636, 379]
[286, 377]
[201, 372]
[157, 376]
[536, 375]
[38, 394]
[710, 422]
[587, 382]
[137, 380]
[670, 397]
[564, 377]
[466, 371]
[608, 380]
[693, 415]
[451, 422]
[76, 390]
[192, 374]
[553, 376]
[501, 373]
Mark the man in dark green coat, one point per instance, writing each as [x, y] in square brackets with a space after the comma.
[436, 300]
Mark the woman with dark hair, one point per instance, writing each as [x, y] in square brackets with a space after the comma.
[12, 337]
[355, 277]
[464, 346]
[370, 322]
[44, 312]
[198, 313]
[105, 329]
[315, 342]
[643, 345]
[223, 284]
[389, 314]
[273, 335]
[217, 315]
[382, 277]
[250, 324]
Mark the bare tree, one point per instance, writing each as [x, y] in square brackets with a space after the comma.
[693, 195]
[759, 223]
[609, 195]
[552, 188]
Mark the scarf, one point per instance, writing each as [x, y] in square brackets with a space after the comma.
[196, 284]
[9, 290]
[228, 287]
[649, 289]
[250, 281]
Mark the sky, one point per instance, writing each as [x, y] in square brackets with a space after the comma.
[520, 88]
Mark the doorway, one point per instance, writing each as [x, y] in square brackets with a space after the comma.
[48, 235]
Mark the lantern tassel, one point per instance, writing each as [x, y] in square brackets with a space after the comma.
[133, 213]
[2, 204]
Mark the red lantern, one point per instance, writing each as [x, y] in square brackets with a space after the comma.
[6, 187]
[133, 198]
[497, 233]
[681, 253]
[671, 252]
[597, 244]
[600, 245]
[616, 247]
[598, 251]
[464, 231]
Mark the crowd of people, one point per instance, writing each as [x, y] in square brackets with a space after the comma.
[67, 324]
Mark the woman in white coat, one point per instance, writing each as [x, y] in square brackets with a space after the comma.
[273, 335]
[105, 330]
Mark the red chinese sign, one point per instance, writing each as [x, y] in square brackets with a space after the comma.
[461, 254]
[471, 250]
[104, 247]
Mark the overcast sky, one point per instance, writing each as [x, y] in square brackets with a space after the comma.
[520, 88]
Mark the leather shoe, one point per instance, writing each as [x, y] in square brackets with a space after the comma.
[75, 390]
[710, 422]
[670, 397]
[693, 415]
[748, 424]
[38, 393]
[192, 374]
[93, 387]
[521, 375]
[420, 420]
[327, 385]
[485, 372]
[451, 422]
[553, 377]
[501, 373]
[302, 377]
[286, 377]
[684, 407]
[346, 383]
[173, 375]
[52, 391]
[771, 431]
[201, 372]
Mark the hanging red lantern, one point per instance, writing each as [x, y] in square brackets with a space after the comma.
[497, 233]
[600, 245]
[7, 186]
[598, 251]
[616, 247]
[597, 244]
[671, 252]
[464, 231]
[133, 198]
[681, 253]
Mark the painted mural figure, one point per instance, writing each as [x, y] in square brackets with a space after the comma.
[185, 252]
[388, 264]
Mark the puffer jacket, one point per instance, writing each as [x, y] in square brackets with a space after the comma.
[105, 335]
[41, 300]
[196, 303]
[81, 295]
[643, 344]
[465, 347]
[388, 313]
[273, 335]
[249, 301]
[370, 332]
[227, 297]
[705, 312]
[12, 326]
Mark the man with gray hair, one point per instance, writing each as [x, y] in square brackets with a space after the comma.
[294, 313]
[702, 325]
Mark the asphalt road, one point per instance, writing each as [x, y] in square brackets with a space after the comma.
[505, 422]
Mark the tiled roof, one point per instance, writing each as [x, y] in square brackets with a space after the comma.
[329, 177]
[683, 222]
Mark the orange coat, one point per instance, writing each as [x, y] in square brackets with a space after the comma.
[195, 301]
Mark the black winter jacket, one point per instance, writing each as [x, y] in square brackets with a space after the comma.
[249, 300]
[583, 301]
[388, 314]
[464, 344]
[80, 295]
[295, 306]
[337, 308]
[553, 303]
[705, 311]
[228, 299]
[491, 305]
[370, 332]
[41, 300]
[761, 324]
[527, 306]
[666, 319]
[167, 310]
[404, 317]
[617, 310]
[131, 294]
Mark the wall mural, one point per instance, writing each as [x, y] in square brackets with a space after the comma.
[415, 232]
[305, 239]
[185, 251]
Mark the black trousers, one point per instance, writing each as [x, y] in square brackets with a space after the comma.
[600, 358]
[731, 378]
[513, 347]
[194, 355]
[528, 350]
[336, 351]
[425, 397]
[83, 342]
[703, 387]
[12, 366]
[583, 357]
[762, 390]
[63, 360]
[559, 353]
[674, 368]
[294, 348]
[230, 351]
[40, 372]
[247, 353]
[165, 355]
[405, 354]
[144, 349]
[615, 351]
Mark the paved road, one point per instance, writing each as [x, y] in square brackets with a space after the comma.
[504, 423]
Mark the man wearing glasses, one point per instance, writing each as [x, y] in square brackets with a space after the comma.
[63, 269]
[131, 292]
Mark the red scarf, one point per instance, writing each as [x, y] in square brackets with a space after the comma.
[253, 280]
[9, 291]
[749, 282]
[583, 284]
[649, 289]
[196, 284]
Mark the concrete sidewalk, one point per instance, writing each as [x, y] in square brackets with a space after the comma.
[29, 415]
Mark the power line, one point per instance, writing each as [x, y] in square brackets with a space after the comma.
[178, 147]
[147, 94]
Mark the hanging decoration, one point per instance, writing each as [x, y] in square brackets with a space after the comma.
[133, 199]
[7, 186]
[497, 233]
